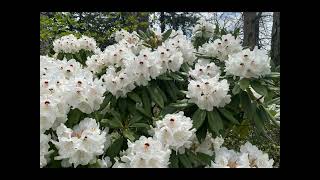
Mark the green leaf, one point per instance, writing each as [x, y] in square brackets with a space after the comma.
[215, 121]
[60, 56]
[273, 75]
[74, 117]
[142, 34]
[146, 101]
[135, 97]
[250, 110]
[274, 101]
[163, 95]
[244, 83]
[115, 114]
[202, 132]
[136, 118]
[185, 67]
[115, 148]
[259, 88]
[174, 160]
[167, 110]
[164, 77]
[172, 93]
[113, 123]
[236, 89]
[244, 99]
[258, 123]
[143, 111]
[228, 115]
[156, 96]
[140, 125]
[193, 158]
[204, 158]
[198, 118]
[263, 115]
[176, 77]
[166, 35]
[185, 161]
[128, 134]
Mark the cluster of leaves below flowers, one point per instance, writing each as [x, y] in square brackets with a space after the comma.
[130, 115]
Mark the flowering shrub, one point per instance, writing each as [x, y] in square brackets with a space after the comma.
[154, 100]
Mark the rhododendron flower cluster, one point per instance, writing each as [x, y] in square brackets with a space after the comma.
[71, 44]
[248, 157]
[248, 64]
[81, 144]
[156, 84]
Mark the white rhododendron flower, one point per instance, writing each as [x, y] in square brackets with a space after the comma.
[71, 44]
[225, 158]
[209, 144]
[222, 48]
[82, 144]
[175, 131]
[104, 162]
[257, 158]
[203, 28]
[204, 70]
[144, 153]
[248, 64]
[209, 93]
[44, 149]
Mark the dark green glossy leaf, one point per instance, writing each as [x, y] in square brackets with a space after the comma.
[228, 115]
[259, 88]
[115, 148]
[140, 125]
[244, 83]
[156, 96]
[215, 121]
[236, 89]
[198, 118]
[185, 161]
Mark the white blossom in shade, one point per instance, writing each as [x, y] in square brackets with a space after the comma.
[71, 44]
[209, 93]
[104, 162]
[121, 34]
[248, 64]
[82, 144]
[66, 44]
[87, 43]
[222, 48]
[203, 28]
[225, 158]
[204, 70]
[44, 149]
[208, 145]
[175, 131]
[257, 158]
[144, 153]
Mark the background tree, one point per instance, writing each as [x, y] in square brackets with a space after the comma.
[275, 44]
[251, 29]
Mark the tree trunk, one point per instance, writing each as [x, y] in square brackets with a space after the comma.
[251, 29]
[162, 23]
[275, 41]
